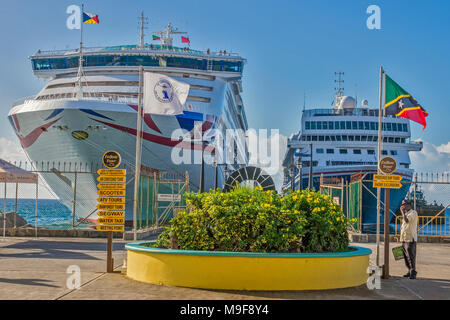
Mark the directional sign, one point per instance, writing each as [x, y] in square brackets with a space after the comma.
[111, 214]
[387, 177]
[111, 220]
[112, 172]
[108, 206]
[387, 184]
[111, 193]
[111, 185]
[111, 179]
[110, 227]
[111, 199]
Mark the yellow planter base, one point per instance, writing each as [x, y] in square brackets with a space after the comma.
[247, 271]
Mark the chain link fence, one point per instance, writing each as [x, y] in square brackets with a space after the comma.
[65, 197]
[429, 194]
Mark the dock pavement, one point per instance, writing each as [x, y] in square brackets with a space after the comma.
[38, 269]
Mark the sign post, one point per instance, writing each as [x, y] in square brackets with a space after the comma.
[111, 200]
[387, 180]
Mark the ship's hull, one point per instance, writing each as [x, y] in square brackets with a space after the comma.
[73, 132]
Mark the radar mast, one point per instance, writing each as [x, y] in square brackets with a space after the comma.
[166, 34]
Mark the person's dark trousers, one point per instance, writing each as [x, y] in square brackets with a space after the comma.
[409, 252]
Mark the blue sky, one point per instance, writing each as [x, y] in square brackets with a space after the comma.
[292, 47]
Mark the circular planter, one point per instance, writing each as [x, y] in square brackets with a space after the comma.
[247, 270]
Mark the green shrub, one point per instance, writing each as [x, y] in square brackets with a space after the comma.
[253, 220]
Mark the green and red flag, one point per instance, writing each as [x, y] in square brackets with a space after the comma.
[156, 37]
[400, 103]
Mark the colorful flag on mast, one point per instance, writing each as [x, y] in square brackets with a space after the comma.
[156, 37]
[400, 103]
[90, 18]
[185, 40]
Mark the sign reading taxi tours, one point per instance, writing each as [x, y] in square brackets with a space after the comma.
[111, 200]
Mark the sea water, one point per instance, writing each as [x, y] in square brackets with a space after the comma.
[51, 213]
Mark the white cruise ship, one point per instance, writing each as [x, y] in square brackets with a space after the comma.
[344, 141]
[59, 125]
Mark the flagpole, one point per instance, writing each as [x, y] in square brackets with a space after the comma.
[138, 155]
[80, 61]
[380, 137]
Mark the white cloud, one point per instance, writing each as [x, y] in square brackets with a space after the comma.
[10, 150]
[444, 148]
[433, 159]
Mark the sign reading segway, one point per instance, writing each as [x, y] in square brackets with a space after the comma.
[111, 159]
[387, 165]
[111, 214]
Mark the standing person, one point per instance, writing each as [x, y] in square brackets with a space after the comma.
[408, 237]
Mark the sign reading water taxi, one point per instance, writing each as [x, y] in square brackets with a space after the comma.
[111, 200]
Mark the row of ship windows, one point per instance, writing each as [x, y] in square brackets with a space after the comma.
[108, 95]
[133, 60]
[339, 163]
[354, 125]
[356, 151]
[353, 138]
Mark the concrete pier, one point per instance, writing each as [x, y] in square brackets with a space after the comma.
[37, 269]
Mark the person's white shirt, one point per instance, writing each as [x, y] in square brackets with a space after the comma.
[408, 231]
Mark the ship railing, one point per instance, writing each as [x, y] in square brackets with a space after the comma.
[344, 112]
[86, 96]
[22, 101]
[417, 144]
[428, 226]
[134, 48]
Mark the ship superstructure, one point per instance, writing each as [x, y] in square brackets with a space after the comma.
[344, 140]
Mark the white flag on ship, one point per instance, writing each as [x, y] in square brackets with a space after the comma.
[164, 95]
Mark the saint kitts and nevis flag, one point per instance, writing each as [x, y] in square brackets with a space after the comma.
[400, 103]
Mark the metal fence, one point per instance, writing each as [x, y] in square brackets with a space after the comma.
[428, 192]
[160, 198]
[347, 194]
[71, 201]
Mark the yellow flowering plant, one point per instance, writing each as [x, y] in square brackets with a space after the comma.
[252, 220]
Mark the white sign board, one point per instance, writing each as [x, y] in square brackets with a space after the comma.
[168, 197]
[336, 200]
